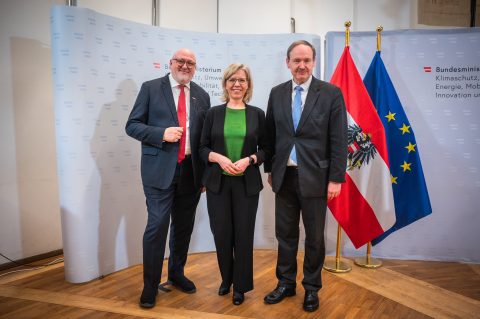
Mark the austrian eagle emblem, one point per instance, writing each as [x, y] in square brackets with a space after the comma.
[360, 148]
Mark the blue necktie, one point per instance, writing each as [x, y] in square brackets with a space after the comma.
[296, 113]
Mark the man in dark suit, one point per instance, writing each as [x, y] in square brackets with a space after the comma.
[167, 118]
[306, 127]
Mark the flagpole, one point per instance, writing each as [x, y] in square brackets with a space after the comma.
[347, 24]
[379, 38]
[368, 261]
[339, 266]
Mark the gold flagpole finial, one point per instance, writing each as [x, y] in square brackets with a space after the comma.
[379, 41]
[347, 33]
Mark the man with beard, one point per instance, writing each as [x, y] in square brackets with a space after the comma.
[167, 119]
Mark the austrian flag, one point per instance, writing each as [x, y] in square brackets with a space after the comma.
[365, 208]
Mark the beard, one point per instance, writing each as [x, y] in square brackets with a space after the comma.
[182, 77]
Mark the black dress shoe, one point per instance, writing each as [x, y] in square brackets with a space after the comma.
[148, 298]
[310, 303]
[224, 289]
[238, 298]
[183, 283]
[279, 294]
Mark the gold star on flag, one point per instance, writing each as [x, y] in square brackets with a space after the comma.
[394, 179]
[406, 166]
[410, 147]
[390, 116]
[405, 129]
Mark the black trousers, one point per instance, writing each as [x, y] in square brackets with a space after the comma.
[178, 202]
[232, 220]
[289, 204]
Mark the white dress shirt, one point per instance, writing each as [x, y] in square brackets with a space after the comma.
[176, 93]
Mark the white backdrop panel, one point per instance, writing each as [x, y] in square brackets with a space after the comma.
[443, 107]
[99, 64]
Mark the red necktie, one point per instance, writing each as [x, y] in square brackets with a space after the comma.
[182, 121]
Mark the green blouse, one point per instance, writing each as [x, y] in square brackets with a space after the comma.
[234, 132]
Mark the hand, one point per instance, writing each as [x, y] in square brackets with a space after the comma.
[173, 134]
[333, 190]
[227, 165]
[269, 179]
[242, 164]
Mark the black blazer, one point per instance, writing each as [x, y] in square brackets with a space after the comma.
[320, 139]
[213, 140]
[154, 111]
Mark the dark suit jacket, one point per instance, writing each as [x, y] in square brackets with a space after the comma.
[254, 143]
[153, 112]
[320, 140]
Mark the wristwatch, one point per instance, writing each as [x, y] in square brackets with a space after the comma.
[251, 160]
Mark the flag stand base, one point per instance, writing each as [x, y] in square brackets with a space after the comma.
[368, 262]
[336, 266]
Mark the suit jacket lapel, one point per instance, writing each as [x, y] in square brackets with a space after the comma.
[220, 127]
[193, 104]
[312, 96]
[167, 93]
[287, 105]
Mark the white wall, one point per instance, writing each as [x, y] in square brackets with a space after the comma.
[29, 205]
[133, 10]
[368, 14]
[189, 15]
[254, 17]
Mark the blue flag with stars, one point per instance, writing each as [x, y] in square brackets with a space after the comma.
[409, 188]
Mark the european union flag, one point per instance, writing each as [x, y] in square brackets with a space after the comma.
[409, 188]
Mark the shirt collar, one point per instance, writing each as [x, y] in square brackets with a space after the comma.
[305, 85]
[174, 83]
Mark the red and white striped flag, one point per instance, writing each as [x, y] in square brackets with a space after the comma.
[365, 208]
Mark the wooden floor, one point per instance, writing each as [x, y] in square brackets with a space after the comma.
[399, 289]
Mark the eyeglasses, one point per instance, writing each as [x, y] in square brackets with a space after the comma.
[181, 62]
[232, 81]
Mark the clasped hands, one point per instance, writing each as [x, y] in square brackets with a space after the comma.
[233, 168]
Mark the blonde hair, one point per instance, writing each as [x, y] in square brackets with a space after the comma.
[227, 74]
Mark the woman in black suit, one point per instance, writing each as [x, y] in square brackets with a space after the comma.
[232, 146]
